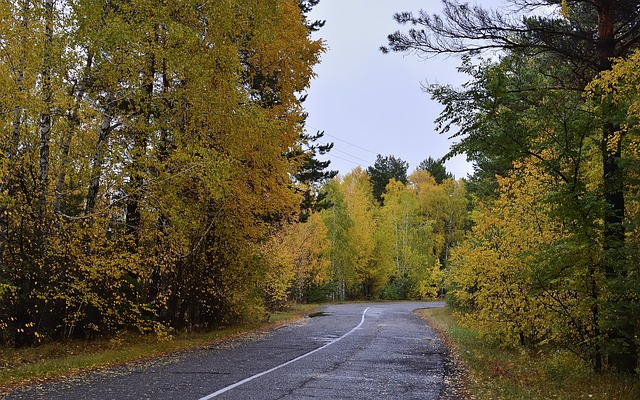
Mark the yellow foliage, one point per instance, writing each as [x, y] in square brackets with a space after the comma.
[295, 258]
[564, 9]
[415, 266]
[494, 275]
[360, 207]
[166, 168]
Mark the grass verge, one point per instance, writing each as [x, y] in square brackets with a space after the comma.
[496, 373]
[60, 360]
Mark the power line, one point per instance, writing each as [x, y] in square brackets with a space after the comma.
[344, 159]
[342, 140]
[357, 146]
[368, 163]
[351, 155]
[354, 145]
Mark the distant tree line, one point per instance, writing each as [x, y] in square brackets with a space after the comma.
[388, 234]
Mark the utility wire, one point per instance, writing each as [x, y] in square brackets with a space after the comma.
[351, 155]
[368, 163]
[342, 140]
[354, 145]
[344, 159]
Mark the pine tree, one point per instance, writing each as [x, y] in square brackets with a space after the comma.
[383, 170]
[586, 35]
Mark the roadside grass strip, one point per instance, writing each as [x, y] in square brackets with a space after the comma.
[493, 372]
[61, 360]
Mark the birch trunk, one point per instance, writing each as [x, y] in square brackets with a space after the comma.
[98, 159]
[74, 122]
[45, 116]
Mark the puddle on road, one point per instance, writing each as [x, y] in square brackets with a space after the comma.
[319, 314]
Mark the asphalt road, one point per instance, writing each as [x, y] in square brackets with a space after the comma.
[353, 351]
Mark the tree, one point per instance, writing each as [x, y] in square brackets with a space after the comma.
[396, 250]
[585, 35]
[311, 261]
[523, 277]
[444, 208]
[510, 105]
[306, 6]
[312, 174]
[339, 225]
[296, 262]
[147, 160]
[436, 168]
[416, 270]
[618, 89]
[351, 224]
[383, 170]
[360, 209]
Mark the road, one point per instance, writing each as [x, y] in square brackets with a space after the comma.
[350, 351]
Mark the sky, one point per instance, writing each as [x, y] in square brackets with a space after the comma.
[370, 103]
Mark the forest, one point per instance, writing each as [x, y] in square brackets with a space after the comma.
[551, 125]
[151, 149]
[158, 175]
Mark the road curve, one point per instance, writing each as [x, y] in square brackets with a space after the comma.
[351, 351]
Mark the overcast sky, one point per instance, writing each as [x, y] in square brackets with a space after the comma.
[369, 103]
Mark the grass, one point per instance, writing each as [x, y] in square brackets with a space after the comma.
[496, 373]
[59, 360]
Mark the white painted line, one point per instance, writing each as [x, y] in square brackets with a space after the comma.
[249, 379]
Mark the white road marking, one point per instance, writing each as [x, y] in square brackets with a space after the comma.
[249, 379]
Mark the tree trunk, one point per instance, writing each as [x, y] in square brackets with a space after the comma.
[16, 125]
[74, 122]
[139, 154]
[18, 109]
[623, 354]
[27, 311]
[45, 116]
[98, 159]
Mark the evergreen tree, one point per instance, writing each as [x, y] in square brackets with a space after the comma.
[436, 168]
[584, 35]
[313, 174]
[306, 6]
[383, 170]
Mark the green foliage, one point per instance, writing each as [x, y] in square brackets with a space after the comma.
[562, 288]
[527, 110]
[312, 174]
[443, 207]
[436, 168]
[502, 278]
[614, 94]
[351, 229]
[416, 269]
[383, 170]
